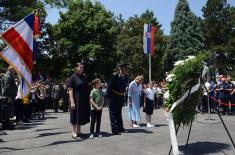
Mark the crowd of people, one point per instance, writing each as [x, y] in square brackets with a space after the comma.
[219, 95]
[16, 109]
[85, 101]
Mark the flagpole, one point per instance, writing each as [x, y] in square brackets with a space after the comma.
[149, 67]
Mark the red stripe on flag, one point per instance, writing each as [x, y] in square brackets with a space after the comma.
[153, 30]
[21, 47]
[36, 26]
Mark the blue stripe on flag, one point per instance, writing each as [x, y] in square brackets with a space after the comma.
[29, 20]
[22, 87]
[34, 50]
[149, 40]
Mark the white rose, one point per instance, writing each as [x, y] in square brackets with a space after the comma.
[166, 95]
[190, 57]
[169, 77]
[179, 62]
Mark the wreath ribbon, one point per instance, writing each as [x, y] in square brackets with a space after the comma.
[175, 104]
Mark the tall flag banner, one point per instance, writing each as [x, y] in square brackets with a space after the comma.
[19, 53]
[36, 25]
[36, 34]
[148, 39]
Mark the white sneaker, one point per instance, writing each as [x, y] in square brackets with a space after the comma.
[135, 126]
[152, 125]
[74, 136]
[149, 125]
[91, 136]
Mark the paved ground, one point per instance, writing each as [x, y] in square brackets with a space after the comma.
[53, 137]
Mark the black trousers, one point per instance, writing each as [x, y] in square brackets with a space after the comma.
[159, 102]
[27, 111]
[204, 107]
[19, 110]
[41, 105]
[95, 119]
[0, 110]
[232, 100]
[115, 113]
[56, 104]
[223, 107]
[7, 112]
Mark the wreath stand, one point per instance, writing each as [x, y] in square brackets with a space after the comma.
[190, 127]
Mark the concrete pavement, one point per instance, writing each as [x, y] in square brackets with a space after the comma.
[53, 137]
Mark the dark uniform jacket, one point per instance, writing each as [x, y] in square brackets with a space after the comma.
[9, 87]
[117, 85]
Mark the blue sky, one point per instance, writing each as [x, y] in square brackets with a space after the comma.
[163, 9]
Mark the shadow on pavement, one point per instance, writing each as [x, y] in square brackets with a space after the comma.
[25, 127]
[106, 134]
[34, 123]
[50, 134]
[62, 142]
[2, 133]
[7, 148]
[155, 125]
[134, 130]
[203, 148]
[38, 130]
[52, 117]
[159, 125]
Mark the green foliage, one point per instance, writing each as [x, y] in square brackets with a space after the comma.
[58, 3]
[186, 75]
[86, 32]
[218, 30]
[130, 45]
[186, 36]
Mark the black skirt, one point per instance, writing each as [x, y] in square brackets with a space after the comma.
[149, 107]
[76, 117]
[73, 116]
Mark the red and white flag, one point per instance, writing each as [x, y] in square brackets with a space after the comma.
[19, 52]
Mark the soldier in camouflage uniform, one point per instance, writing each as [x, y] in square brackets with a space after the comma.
[9, 92]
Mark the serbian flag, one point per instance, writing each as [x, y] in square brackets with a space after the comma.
[19, 52]
[148, 38]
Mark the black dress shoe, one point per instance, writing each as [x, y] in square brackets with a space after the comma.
[123, 130]
[116, 133]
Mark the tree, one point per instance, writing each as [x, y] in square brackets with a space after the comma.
[186, 36]
[130, 46]
[14, 10]
[86, 32]
[218, 29]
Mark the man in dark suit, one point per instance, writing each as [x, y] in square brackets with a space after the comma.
[115, 92]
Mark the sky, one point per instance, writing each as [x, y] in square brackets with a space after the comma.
[163, 9]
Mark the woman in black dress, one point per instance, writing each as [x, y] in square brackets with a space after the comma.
[79, 100]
